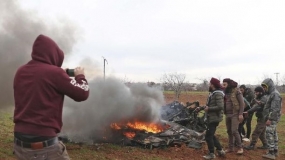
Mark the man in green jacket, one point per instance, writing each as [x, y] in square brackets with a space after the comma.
[214, 110]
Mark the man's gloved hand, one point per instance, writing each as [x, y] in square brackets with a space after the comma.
[188, 104]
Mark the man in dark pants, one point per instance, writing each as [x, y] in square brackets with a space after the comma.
[234, 106]
[248, 97]
[39, 90]
[214, 111]
[259, 131]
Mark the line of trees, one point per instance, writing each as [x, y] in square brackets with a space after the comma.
[177, 82]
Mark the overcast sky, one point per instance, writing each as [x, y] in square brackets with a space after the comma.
[144, 39]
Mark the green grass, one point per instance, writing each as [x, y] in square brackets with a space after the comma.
[281, 134]
[6, 136]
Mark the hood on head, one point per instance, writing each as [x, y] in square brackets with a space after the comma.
[47, 51]
[270, 84]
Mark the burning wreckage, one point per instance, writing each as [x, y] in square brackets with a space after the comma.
[179, 124]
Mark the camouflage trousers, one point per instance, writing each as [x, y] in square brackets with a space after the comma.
[272, 136]
[259, 132]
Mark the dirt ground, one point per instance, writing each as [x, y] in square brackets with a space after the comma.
[183, 152]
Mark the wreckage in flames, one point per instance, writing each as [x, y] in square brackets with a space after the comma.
[163, 133]
[160, 134]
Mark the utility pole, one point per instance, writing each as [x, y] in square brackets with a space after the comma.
[276, 78]
[104, 60]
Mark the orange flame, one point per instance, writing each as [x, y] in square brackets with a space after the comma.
[151, 127]
[144, 126]
[130, 134]
[148, 127]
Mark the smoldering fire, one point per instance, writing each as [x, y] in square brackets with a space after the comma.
[111, 101]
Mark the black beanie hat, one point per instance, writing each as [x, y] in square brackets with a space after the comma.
[259, 89]
[242, 86]
[228, 80]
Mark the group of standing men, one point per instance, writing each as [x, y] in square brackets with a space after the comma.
[239, 104]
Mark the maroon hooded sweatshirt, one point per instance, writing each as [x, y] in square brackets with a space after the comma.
[39, 89]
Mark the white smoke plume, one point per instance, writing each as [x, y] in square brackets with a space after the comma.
[110, 101]
[18, 30]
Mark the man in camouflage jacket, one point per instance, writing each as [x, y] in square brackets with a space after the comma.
[258, 107]
[272, 111]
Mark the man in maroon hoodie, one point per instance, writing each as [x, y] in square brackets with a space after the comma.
[39, 90]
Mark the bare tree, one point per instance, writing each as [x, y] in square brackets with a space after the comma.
[175, 82]
[204, 86]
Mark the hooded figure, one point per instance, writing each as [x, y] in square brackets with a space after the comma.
[39, 90]
[275, 100]
[272, 110]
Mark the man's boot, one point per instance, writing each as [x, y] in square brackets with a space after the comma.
[269, 155]
[221, 153]
[249, 147]
[265, 146]
[276, 152]
[209, 156]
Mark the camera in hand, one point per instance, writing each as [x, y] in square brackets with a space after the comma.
[70, 72]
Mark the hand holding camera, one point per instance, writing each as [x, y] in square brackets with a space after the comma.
[75, 72]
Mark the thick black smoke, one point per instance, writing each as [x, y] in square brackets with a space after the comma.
[110, 101]
[18, 30]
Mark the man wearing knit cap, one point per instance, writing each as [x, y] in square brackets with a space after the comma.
[259, 131]
[234, 106]
[214, 111]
